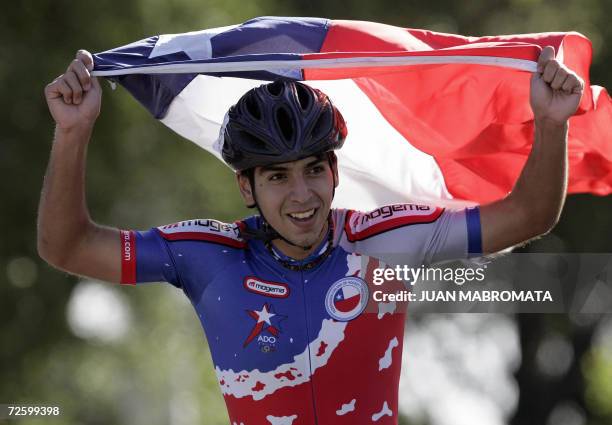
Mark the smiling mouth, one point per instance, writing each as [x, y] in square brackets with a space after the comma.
[303, 215]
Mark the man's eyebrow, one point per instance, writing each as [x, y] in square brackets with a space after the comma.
[277, 168]
[268, 168]
[314, 162]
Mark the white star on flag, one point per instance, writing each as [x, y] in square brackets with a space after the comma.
[195, 44]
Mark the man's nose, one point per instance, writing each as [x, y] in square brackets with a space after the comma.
[300, 192]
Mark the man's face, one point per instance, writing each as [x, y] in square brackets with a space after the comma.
[295, 197]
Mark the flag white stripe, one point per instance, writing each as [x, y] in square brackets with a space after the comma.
[354, 62]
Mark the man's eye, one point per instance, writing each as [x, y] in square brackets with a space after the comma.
[276, 177]
[317, 169]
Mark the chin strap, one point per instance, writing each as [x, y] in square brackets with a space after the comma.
[267, 233]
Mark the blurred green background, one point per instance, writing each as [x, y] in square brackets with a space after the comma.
[118, 355]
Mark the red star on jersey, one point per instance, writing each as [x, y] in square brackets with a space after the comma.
[263, 323]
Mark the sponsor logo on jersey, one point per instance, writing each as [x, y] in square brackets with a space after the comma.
[204, 230]
[128, 257]
[266, 329]
[126, 238]
[359, 226]
[265, 287]
[346, 298]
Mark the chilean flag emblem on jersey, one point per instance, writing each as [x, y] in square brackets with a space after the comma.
[346, 298]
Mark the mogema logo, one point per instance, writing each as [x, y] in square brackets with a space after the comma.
[266, 288]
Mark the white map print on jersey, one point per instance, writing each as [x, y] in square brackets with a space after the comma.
[241, 384]
[354, 264]
[385, 308]
[281, 420]
[346, 408]
[386, 360]
[384, 411]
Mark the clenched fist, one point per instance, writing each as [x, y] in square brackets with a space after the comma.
[74, 98]
[555, 89]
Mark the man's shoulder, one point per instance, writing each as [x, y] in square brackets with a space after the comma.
[359, 225]
[205, 230]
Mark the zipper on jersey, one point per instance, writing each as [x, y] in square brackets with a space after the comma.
[307, 321]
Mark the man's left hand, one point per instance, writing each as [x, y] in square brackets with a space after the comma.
[555, 89]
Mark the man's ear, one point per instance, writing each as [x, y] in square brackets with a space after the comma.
[246, 191]
[333, 159]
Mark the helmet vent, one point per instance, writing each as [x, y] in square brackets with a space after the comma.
[253, 107]
[283, 120]
[276, 88]
[323, 125]
[304, 97]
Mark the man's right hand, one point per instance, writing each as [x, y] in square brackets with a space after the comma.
[74, 98]
[67, 237]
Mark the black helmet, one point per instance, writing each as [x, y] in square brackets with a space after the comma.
[280, 122]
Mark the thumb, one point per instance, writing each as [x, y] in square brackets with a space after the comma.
[86, 57]
[546, 55]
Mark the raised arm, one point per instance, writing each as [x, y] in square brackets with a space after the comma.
[67, 237]
[535, 203]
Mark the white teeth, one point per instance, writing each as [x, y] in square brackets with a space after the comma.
[303, 215]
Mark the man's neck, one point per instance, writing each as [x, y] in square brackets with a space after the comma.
[296, 252]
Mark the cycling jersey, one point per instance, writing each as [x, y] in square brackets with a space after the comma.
[302, 345]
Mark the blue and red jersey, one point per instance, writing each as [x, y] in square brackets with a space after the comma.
[298, 345]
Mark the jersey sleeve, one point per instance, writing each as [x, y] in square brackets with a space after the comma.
[410, 234]
[146, 257]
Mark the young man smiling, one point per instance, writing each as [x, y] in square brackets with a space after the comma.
[283, 296]
[296, 197]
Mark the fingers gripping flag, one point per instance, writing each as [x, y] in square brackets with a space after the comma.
[432, 117]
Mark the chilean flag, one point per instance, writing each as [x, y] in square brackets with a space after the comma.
[433, 118]
[346, 299]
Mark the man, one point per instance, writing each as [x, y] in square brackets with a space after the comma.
[284, 297]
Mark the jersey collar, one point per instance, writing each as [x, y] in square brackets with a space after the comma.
[319, 254]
